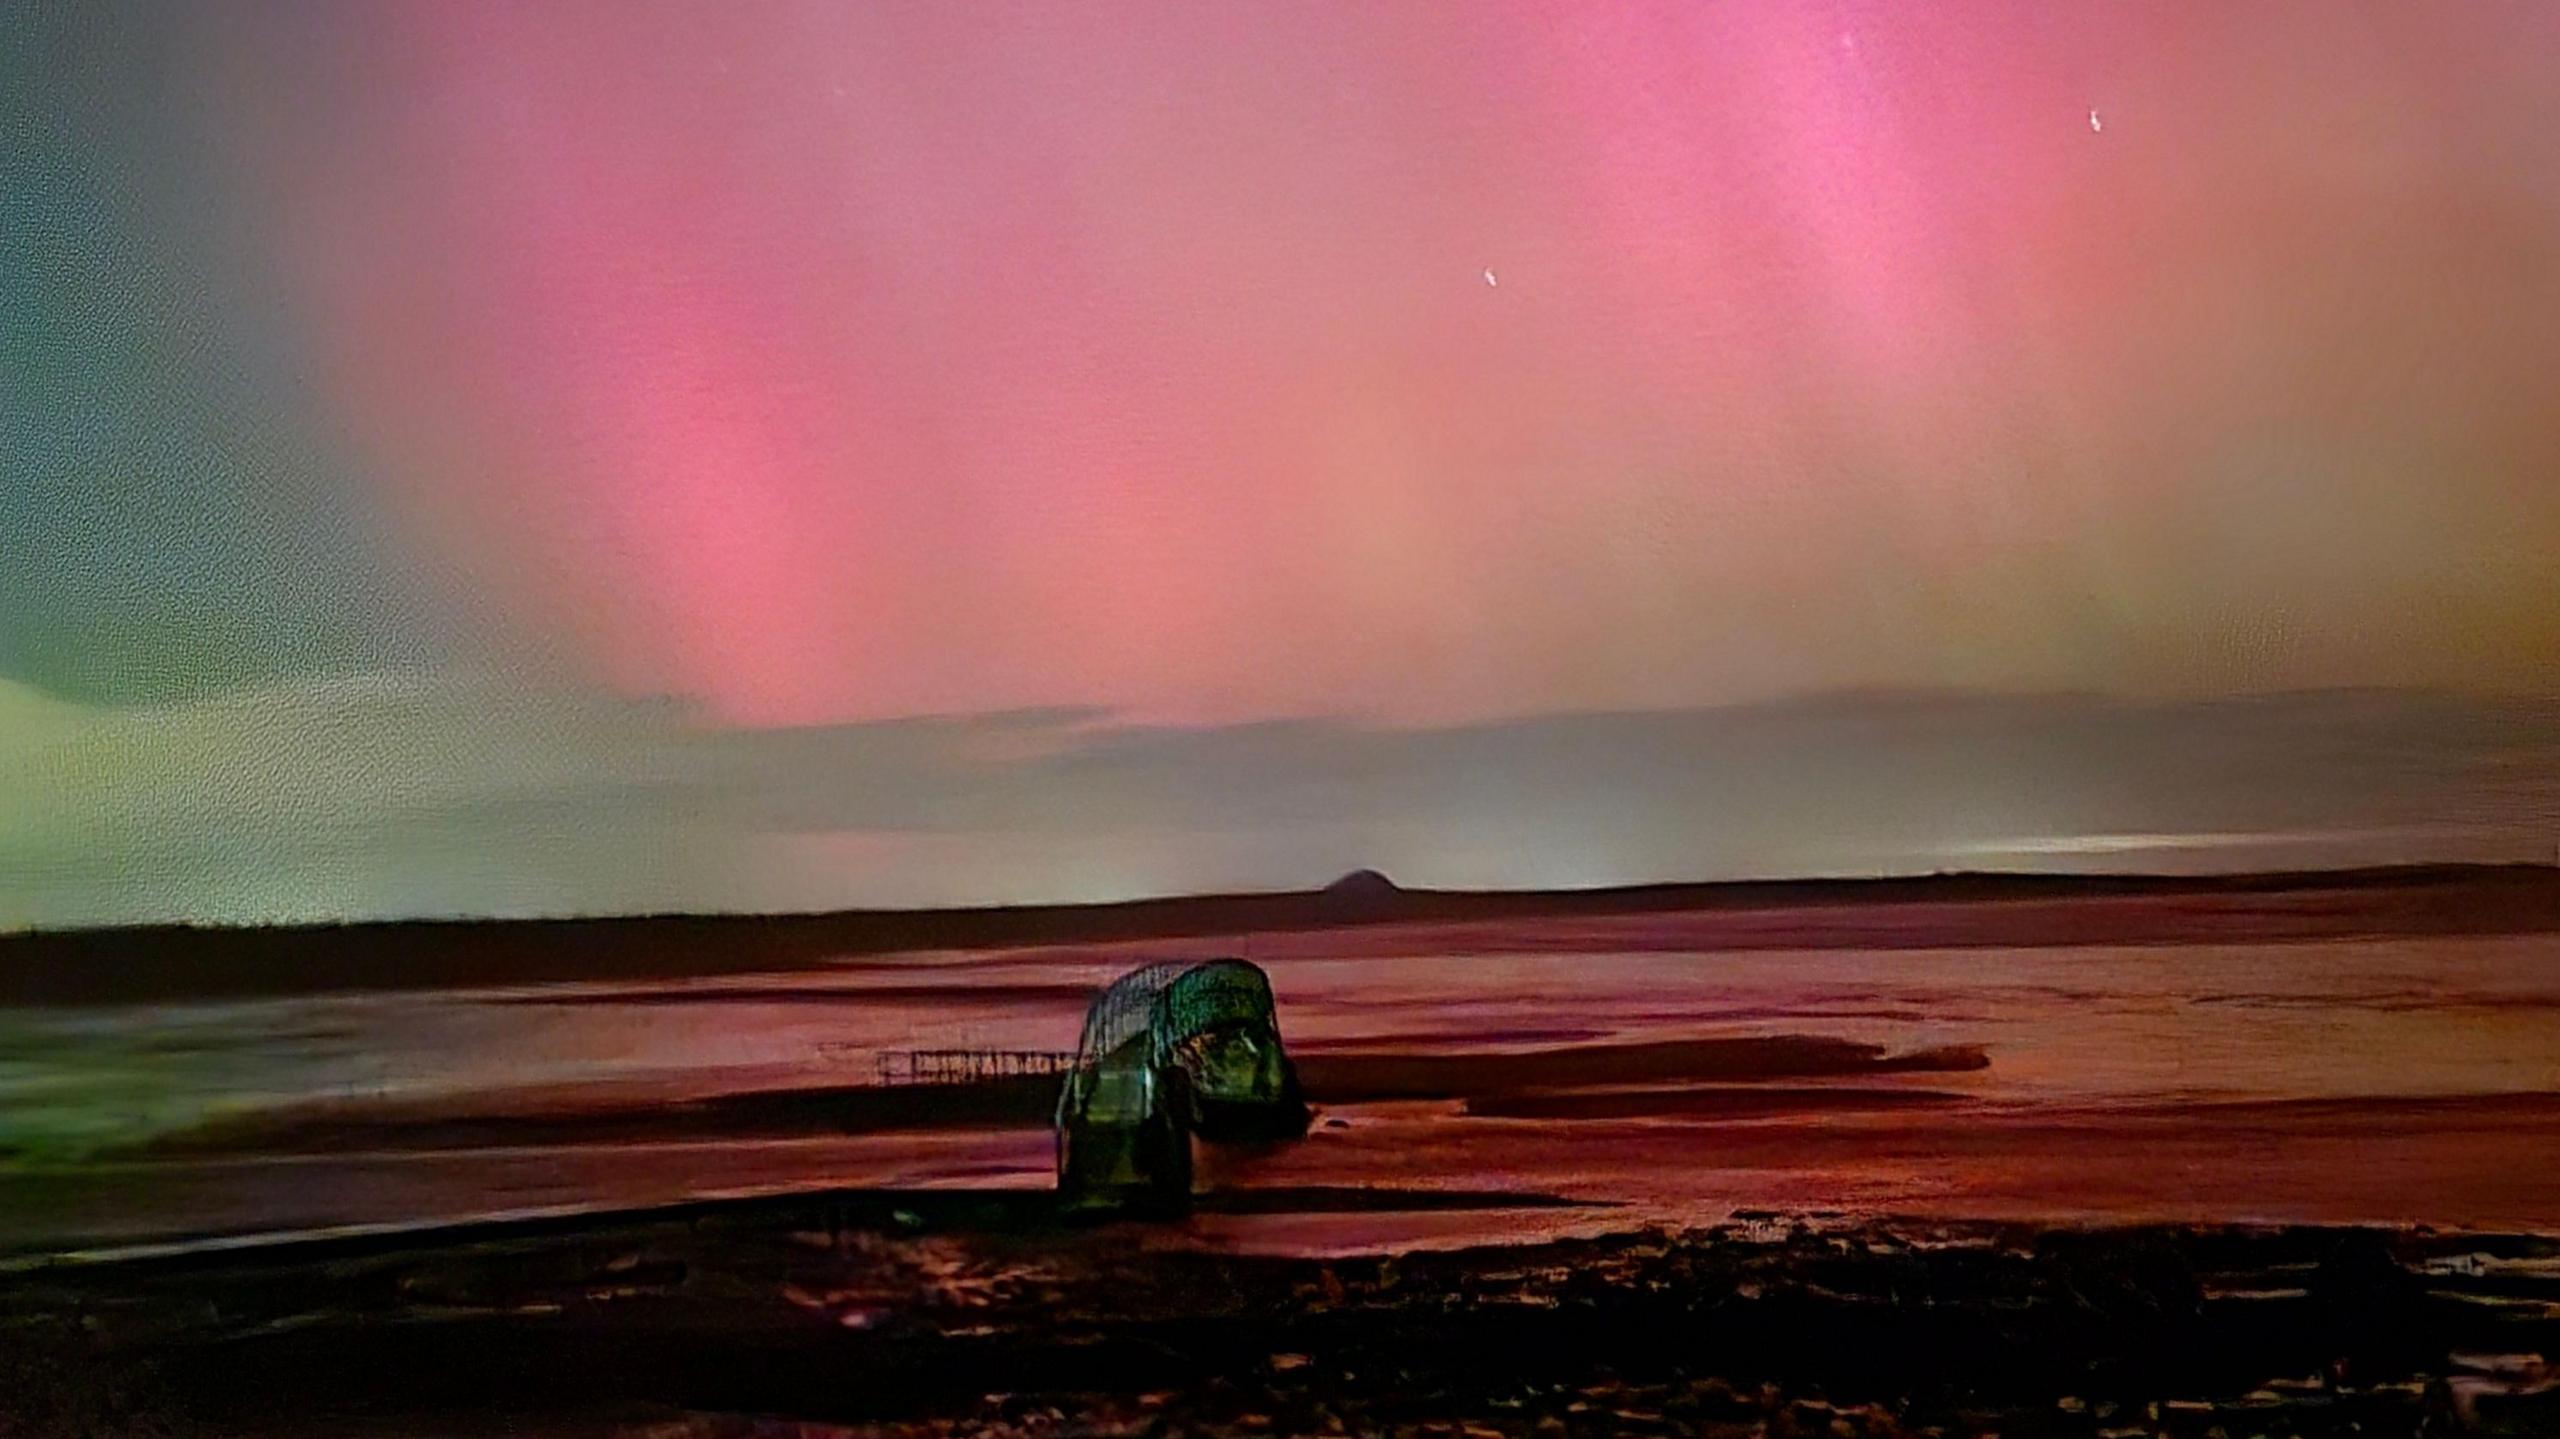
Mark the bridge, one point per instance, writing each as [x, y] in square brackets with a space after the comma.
[967, 1066]
[1169, 1052]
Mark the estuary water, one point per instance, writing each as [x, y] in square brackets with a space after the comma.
[2382, 1080]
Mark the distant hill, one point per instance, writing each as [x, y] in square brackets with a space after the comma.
[1359, 894]
[181, 961]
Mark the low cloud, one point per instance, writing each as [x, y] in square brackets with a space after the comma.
[405, 794]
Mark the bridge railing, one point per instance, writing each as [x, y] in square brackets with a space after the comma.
[968, 1066]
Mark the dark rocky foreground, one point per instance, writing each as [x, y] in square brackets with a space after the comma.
[986, 1313]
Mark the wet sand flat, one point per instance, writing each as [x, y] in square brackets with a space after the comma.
[2332, 1081]
[1028, 1102]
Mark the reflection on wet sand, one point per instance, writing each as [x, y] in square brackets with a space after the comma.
[2369, 1079]
[1017, 1102]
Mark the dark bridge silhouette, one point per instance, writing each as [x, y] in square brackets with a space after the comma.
[1170, 1052]
[925, 1067]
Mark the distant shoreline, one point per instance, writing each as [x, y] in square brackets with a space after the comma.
[162, 963]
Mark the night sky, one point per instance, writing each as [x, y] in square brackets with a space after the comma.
[560, 457]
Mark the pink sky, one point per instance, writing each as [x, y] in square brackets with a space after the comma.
[827, 362]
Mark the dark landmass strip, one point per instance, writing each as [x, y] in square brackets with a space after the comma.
[184, 961]
[1367, 1078]
[1073, 997]
[1030, 1101]
[1524, 1035]
[1721, 1101]
[933, 1314]
[1009, 1211]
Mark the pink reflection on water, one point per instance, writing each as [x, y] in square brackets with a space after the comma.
[2371, 1080]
